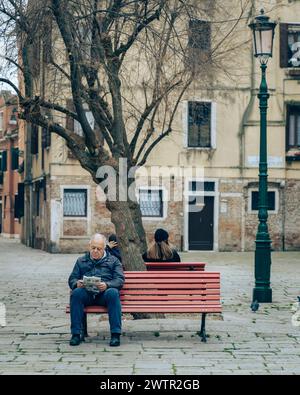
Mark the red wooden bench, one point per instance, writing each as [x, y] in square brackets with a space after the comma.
[168, 292]
[175, 266]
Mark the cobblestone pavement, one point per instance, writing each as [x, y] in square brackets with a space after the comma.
[35, 339]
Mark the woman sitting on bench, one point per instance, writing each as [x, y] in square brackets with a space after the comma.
[161, 251]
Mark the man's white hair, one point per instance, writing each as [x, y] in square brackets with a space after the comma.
[98, 237]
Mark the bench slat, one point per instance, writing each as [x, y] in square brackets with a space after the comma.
[168, 273]
[170, 309]
[183, 292]
[217, 308]
[170, 286]
[167, 302]
[193, 266]
[164, 298]
[170, 281]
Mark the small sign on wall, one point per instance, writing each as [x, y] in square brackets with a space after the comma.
[223, 207]
[273, 161]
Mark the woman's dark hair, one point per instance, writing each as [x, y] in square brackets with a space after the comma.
[160, 250]
[112, 237]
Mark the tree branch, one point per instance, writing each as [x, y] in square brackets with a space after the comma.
[150, 148]
[8, 82]
[146, 113]
[60, 13]
[124, 47]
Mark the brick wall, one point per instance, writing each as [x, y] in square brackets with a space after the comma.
[292, 215]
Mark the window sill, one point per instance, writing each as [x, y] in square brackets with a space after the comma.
[154, 218]
[293, 72]
[74, 218]
[201, 148]
[292, 156]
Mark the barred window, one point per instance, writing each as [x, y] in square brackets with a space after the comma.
[271, 200]
[75, 203]
[151, 202]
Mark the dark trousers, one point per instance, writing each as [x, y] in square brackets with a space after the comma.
[80, 298]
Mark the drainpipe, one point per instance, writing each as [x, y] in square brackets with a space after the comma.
[242, 127]
[28, 224]
[10, 176]
[249, 107]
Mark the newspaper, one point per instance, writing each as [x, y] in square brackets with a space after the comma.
[90, 283]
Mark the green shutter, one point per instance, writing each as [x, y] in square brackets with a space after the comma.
[34, 139]
[284, 45]
[4, 161]
[14, 158]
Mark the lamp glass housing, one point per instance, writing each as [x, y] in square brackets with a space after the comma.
[263, 34]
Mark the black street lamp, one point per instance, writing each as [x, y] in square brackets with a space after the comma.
[263, 34]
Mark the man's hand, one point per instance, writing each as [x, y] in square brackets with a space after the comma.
[80, 284]
[112, 244]
[102, 286]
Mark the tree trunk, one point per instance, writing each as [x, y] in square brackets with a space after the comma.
[130, 245]
[121, 217]
[137, 220]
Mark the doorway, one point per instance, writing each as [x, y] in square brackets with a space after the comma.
[201, 225]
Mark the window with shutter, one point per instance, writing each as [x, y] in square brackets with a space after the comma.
[293, 127]
[4, 161]
[37, 200]
[199, 124]
[1, 120]
[1, 171]
[199, 42]
[34, 139]
[199, 35]
[70, 120]
[47, 41]
[14, 158]
[46, 138]
[72, 124]
[36, 56]
[90, 119]
[19, 201]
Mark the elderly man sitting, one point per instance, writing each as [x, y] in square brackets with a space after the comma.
[100, 263]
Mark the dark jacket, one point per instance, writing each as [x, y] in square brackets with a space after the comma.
[115, 252]
[108, 268]
[175, 258]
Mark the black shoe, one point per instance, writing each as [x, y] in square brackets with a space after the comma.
[115, 340]
[75, 340]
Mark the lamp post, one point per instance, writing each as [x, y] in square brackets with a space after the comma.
[263, 34]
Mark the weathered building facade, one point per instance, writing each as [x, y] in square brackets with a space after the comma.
[217, 131]
[10, 186]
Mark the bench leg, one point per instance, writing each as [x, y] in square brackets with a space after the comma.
[202, 330]
[84, 327]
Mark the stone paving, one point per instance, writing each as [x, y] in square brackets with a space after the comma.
[35, 338]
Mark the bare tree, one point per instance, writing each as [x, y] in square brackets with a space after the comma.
[129, 63]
